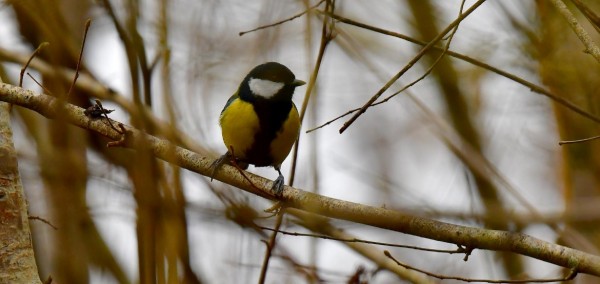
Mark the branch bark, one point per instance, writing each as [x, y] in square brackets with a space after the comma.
[17, 261]
[590, 46]
[470, 237]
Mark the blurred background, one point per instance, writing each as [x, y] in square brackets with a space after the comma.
[464, 145]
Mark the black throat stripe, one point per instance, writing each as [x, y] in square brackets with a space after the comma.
[272, 115]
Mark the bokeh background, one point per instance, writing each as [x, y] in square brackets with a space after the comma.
[463, 145]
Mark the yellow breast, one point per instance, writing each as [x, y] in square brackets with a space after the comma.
[283, 142]
[239, 123]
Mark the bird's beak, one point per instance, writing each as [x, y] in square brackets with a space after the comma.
[298, 83]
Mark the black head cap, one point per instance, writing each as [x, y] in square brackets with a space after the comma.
[273, 71]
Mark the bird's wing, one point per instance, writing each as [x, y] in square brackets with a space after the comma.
[229, 101]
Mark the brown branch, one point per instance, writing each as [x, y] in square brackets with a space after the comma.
[570, 276]
[16, 249]
[322, 225]
[533, 87]
[96, 89]
[590, 46]
[85, 32]
[39, 84]
[270, 247]
[283, 21]
[470, 237]
[326, 37]
[409, 65]
[31, 217]
[37, 50]
[578, 140]
[588, 13]
[355, 240]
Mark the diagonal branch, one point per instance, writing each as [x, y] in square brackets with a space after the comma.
[590, 46]
[533, 87]
[412, 62]
[469, 237]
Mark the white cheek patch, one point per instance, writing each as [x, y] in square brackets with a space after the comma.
[264, 88]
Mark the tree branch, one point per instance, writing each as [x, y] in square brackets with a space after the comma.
[590, 46]
[469, 237]
[17, 263]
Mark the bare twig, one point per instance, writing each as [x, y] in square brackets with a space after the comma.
[409, 65]
[31, 217]
[39, 84]
[533, 87]
[99, 90]
[471, 237]
[326, 37]
[35, 52]
[132, 56]
[578, 140]
[283, 21]
[570, 276]
[590, 46]
[588, 13]
[270, 247]
[87, 27]
[355, 240]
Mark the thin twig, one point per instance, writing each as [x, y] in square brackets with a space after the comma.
[129, 50]
[533, 87]
[570, 276]
[270, 247]
[33, 55]
[31, 217]
[588, 13]
[39, 84]
[335, 119]
[435, 63]
[590, 45]
[355, 240]
[87, 28]
[409, 65]
[326, 37]
[427, 72]
[282, 21]
[329, 207]
[578, 141]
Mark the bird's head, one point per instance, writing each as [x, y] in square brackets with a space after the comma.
[269, 81]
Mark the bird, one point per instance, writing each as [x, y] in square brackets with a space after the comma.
[260, 122]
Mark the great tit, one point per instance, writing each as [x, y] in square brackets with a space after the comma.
[260, 123]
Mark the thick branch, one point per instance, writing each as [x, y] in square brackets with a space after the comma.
[17, 261]
[469, 237]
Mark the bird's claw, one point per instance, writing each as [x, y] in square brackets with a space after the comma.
[217, 164]
[278, 186]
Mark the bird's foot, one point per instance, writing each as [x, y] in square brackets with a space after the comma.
[278, 185]
[224, 159]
